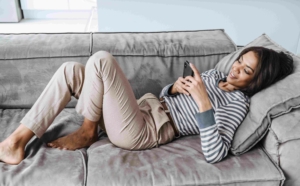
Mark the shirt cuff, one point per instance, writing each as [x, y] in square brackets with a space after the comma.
[205, 119]
[165, 91]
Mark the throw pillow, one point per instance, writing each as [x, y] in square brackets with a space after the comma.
[278, 99]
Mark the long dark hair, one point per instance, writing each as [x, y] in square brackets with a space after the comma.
[272, 67]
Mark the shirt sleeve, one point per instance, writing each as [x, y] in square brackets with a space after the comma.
[217, 129]
[165, 91]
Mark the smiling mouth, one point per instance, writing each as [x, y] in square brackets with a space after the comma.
[232, 75]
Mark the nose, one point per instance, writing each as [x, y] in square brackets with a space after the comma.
[236, 68]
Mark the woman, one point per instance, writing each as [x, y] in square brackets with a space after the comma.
[211, 104]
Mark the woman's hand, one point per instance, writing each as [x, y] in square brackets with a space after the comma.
[179, 87]
[196, 87]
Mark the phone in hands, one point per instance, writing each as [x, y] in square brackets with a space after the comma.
[187, 70]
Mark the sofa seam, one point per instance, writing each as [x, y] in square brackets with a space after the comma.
[49, 57]
[274, 163]
[277, 144]
[121, 55]
[132, 55]
[84, 167]
[28, 106]
[240, 181]
[288, 140]
[91, 43]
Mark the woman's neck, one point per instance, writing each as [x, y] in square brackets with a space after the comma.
[226, 86]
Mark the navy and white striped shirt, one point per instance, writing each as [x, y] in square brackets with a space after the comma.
[216, 126]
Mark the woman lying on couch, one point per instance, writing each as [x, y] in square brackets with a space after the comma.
[210, 104]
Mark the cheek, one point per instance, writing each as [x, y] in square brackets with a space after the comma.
[247, 79]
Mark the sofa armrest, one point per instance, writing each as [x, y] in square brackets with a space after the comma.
[282, 142]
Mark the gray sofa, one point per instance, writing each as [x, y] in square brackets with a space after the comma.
[150, 61]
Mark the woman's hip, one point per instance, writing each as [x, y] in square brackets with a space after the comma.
[137, 134]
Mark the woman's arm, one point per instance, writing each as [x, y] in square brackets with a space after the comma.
[217, 130]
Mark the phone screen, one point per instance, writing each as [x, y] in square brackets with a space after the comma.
[187, 70]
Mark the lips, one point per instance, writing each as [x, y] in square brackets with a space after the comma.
[231, 75]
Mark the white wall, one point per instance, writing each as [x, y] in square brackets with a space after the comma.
[243, 20]
[56, 9]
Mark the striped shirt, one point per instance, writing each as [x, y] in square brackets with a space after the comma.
[215, 126]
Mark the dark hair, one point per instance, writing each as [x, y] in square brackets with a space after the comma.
[272, 67]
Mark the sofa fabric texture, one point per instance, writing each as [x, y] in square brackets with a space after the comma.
[180, 162]
[282, 142]
[44, 165]
[150, 61]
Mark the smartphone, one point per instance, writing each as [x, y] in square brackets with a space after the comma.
[187, 70]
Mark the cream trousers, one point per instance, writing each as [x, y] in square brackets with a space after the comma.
[104, 96]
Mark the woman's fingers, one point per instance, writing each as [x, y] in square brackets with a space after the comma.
[180, 86]
[195, 70]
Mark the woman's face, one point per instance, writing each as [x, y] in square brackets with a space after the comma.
[242, 70]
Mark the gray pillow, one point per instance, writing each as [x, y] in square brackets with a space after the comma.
[276, 100]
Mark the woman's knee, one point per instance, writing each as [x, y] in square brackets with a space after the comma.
[101, 59]
[103, 54]
[73, 74]
[72, 65]
[72, 68]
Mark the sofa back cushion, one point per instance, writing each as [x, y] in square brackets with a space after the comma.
[149, 60]
[28, 61]
[153, 60]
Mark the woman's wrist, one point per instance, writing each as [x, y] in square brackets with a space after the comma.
[172, 90]
[204, 105]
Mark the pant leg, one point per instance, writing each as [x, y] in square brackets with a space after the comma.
[106, 92]
[66, 82]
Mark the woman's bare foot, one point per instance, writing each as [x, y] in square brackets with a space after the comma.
[12, 149]
[85, 136]
[11, 152]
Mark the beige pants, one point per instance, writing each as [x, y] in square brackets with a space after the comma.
[105, 96]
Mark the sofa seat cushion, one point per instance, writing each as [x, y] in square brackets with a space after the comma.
[44, 165]
[180, 162]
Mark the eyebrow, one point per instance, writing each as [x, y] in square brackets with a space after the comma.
[247, 65]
